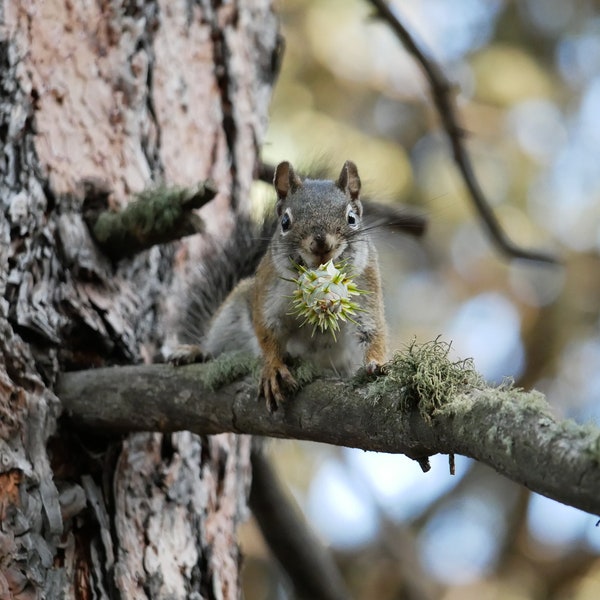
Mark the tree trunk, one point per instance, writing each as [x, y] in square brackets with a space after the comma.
[101, 97]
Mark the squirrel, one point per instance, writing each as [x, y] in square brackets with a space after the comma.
[318, 221]
[239, 298]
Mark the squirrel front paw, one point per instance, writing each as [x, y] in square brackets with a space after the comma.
[374, 368]
[272, 379]
[186, 354]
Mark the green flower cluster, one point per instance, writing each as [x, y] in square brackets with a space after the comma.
[323, 297]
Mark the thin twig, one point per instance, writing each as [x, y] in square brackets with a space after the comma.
[441, 92]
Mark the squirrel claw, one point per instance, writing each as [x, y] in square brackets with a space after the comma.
[271, 405]
[270, 387]
[186, 354]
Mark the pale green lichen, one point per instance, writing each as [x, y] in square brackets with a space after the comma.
[593, 448]
[426, 377]
[304, 372]
[588, 432]
[155, 210]
[229, 367]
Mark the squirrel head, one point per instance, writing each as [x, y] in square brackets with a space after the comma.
[319, 220]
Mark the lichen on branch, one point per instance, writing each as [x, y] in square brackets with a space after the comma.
[426, 377]
[157, 215]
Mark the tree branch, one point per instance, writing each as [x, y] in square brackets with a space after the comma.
[511, 430]
[441, 94]
[157, 216]
[307, 562]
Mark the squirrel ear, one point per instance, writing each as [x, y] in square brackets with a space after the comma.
[285, 180]
[349, 181]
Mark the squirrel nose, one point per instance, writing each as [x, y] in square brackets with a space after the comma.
[321, 247]
[319, 244]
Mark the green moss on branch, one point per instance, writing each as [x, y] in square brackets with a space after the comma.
[157, 216]
[426, 377]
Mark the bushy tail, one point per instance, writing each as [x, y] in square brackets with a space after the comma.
[225, 264]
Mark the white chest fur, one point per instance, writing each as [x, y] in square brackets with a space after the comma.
[344, 354]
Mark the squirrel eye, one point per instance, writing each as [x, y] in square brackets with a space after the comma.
[352, 218]
[286, 222]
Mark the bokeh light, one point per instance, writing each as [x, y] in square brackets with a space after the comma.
[527, 90]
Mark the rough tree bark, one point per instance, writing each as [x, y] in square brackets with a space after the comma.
[126, 94]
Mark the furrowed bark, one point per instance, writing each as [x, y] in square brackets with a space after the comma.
[131, 95]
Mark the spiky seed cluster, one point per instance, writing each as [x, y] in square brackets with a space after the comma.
[322, 297]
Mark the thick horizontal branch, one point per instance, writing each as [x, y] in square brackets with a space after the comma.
[510, 430]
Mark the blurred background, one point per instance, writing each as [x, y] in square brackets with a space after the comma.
[527, 77]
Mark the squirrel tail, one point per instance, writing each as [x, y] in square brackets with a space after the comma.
[226, 263]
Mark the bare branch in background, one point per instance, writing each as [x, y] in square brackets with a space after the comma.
[307, 562]
[441, 92]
